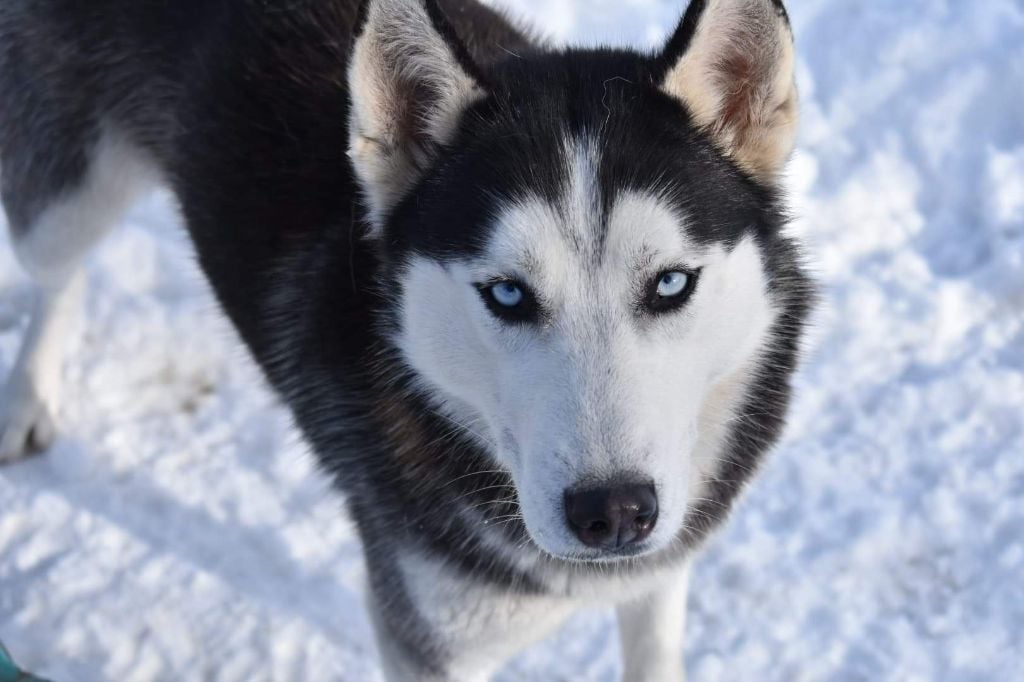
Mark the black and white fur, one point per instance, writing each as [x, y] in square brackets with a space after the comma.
[353, 178]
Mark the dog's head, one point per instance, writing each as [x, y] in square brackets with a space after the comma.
[586, 257]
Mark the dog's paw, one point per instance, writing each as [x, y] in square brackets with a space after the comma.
[26, 426]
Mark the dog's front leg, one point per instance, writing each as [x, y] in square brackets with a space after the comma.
[651, 630]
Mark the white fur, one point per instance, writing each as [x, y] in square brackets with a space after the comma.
[598, 391]
[651, 631]
[481, 626]
[51, 250]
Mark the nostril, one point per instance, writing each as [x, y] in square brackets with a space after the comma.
[588, 517]
[645, 523]
[612, 517]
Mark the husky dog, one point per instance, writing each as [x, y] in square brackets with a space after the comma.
[532, 307]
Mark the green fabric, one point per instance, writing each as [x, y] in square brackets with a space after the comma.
[10, 673]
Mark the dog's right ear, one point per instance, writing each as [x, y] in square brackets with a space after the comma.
[410, 78]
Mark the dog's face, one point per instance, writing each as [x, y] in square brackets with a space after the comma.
[582, 254]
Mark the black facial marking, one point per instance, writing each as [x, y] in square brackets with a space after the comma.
[516, 143]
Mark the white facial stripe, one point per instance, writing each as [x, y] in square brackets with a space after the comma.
[537, 244]
[597, 390]
[645, 231]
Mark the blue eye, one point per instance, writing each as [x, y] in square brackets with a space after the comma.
[670, 291]
[672, 284]
[510, 301]
[507, 294]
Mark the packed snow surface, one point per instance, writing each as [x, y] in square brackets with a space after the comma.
[179, 531]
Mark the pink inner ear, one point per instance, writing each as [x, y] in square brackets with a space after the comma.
[736, 77]
[408, 84]
[740, 79]
[746, 71]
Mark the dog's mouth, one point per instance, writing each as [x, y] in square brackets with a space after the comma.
[576, 554]
[623, 555]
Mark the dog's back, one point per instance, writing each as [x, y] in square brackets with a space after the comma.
[101, 99]
[71, 73]
[239, 107]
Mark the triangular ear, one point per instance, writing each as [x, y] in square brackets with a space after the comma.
[409, 80]
[731, 62]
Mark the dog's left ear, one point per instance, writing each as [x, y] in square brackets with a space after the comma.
[731, 62]
[409, 78]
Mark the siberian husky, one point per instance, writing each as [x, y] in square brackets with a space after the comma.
[533, 308]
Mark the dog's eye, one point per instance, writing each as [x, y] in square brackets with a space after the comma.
[670, 290]
[509, 300]
[672, 284]
[507, 294]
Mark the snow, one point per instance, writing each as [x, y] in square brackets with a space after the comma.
[178, 530]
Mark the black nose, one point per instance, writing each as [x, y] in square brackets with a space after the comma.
[612, 517]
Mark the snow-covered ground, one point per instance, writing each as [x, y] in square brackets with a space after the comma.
[178, 530]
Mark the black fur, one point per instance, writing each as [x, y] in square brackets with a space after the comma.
[244, 104]
[512, 143]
